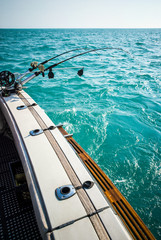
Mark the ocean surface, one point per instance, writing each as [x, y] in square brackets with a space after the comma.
[113, 109]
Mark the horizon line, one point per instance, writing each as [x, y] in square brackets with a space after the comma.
[80, 27]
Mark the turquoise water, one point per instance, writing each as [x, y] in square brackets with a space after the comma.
[113, 110]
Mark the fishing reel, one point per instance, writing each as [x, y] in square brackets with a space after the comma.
[7, 79]
[80, 72]
[50, 74]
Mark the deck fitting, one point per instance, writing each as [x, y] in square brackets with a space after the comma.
[22, 107]
[68, 135]
[65, 192]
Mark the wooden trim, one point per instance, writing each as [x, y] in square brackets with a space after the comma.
[132, 221]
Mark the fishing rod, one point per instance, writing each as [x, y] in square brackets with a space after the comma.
[42, 69]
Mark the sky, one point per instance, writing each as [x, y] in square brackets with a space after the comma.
[80, 14]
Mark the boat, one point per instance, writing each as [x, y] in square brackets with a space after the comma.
[50, 188]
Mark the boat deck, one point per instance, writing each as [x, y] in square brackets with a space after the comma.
[55, 153]
[17, 218]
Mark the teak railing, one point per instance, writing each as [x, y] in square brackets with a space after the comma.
[132, 221]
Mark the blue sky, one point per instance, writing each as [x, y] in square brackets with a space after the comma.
[80, 14]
